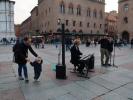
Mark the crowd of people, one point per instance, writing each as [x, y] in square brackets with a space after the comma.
[7, 41]
[20, 50]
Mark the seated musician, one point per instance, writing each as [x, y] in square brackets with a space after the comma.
[75, 57]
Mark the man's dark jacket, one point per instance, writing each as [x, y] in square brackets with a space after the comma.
[21, 52]
[104, 43]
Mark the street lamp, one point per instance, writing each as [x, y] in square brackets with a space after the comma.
[61, 68]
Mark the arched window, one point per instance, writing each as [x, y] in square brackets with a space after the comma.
[78, 10]
[50, 31]
[95, 25]
[126, 7]
[62, 7]
[88, 24]
[80, 31]
[70, 11]
[95, 13]
[125, 20]
[58, 30]
[74, 31]
[89, 12]
[67, 30]
[97, 31]
[101, 14]
[100, 25]
[91, 31]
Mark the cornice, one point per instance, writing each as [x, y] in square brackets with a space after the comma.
[8, 1]
[120, 1]
[97, 1]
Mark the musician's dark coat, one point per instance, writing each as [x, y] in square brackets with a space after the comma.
[75, 54]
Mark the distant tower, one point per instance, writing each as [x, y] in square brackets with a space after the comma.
[7, 19]
[125, 19]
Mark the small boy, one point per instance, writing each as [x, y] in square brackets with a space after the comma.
[37, 64]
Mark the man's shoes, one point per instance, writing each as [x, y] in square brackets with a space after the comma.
[106, 65]
[109, 65]
[102, 64]
[20, 78]
[26, 80]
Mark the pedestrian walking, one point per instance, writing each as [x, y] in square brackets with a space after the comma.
[21, 56]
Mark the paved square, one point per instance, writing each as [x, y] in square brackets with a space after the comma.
[105, 84]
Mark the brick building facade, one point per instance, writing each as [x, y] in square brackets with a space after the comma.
[25, 28]
[111, 23]
[7, 19]
[125, 22]
[79, 16]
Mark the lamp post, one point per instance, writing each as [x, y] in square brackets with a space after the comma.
[61, 68]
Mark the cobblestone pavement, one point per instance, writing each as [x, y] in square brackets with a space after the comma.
[105, 84]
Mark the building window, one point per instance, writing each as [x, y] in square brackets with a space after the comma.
[88, 24]
[91, 31]
[62, 7]
[89, 12]
[46, 12]
[100, 25]
[48, 23]
[58, 30]
[80, 31]
[37, 12]
[80, 24]
[94, 25]
[67, 30]
[74, 31]
[67, 21]
[49, 10]
[125, 20]
[71, 11]
[126, 7]
[74, 23]
[101, 14]
[95, 13]
[97, 32]
[79, 10]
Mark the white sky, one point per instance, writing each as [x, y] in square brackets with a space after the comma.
[23, 8]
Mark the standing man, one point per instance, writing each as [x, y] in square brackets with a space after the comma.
[21, 56]
[104, 51]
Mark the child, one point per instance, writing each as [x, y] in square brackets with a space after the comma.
[37, 64]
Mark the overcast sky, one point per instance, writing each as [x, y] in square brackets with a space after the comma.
[23, 8]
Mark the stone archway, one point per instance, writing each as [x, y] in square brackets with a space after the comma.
[125, 36]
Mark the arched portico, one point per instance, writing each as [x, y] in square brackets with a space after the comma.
[125, 36]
